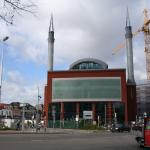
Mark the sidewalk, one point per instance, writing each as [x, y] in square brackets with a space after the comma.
[50, 131]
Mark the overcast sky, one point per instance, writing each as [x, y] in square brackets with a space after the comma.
[83, 29]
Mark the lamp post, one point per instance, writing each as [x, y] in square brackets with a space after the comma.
[1, 73]
[37, 111]
[23, 117]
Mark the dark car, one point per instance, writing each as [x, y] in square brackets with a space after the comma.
[120, 128]
[137, 128]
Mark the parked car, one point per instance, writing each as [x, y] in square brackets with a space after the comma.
[138, 127]
[120, 128]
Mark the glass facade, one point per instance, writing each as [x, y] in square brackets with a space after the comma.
[81, 89]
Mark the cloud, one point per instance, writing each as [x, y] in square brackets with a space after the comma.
[15, 77]
[25, 48]
[83, 29]
[15, 88]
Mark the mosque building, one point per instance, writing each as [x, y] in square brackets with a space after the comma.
[89, 90]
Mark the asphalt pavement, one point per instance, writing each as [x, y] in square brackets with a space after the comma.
[67, 139]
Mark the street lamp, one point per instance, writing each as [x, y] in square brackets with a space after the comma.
[37, 111]
[23, 115]
[1, 73]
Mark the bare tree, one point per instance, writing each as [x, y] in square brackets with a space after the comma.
[9, 8]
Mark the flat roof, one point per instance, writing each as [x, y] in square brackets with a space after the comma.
[90, 70]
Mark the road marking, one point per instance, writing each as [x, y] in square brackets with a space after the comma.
[39, 140]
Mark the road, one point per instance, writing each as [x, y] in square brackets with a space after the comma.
[69, 141]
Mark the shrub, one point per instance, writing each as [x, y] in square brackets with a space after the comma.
[90, 126]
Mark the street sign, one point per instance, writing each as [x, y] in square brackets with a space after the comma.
[87, 115]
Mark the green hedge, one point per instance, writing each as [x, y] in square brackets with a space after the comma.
[91, 127]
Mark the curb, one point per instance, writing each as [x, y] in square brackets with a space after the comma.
[55, 131]
[28, 132]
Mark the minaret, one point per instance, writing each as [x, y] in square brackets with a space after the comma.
[131, 107]
[51, 40]
[129, 48]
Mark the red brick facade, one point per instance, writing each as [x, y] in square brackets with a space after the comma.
[131, 102]
[86, 73]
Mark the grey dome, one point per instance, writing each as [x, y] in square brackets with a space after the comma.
[88, 64]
